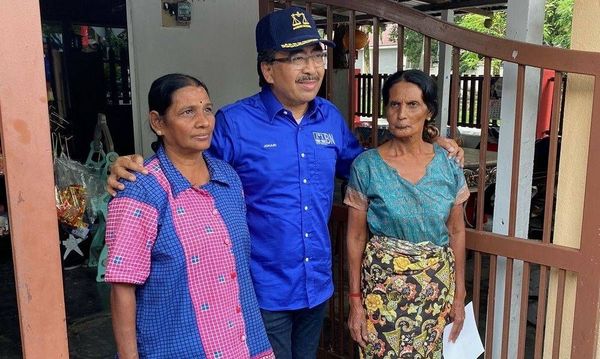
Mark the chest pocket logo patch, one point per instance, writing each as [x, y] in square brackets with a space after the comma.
[324, 139]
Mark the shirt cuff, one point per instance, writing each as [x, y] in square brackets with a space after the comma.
[264, 355]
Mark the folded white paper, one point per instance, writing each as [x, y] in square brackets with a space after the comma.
[468, 344]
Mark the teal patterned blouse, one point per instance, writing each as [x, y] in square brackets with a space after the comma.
[400, 209]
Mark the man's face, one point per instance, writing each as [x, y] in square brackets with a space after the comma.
[295, 82]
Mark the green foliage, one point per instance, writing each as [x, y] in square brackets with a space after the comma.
[413, 46]
[557, 23]
[116, 41]
[477, 23]
[497, 27]
[557, 33]
[557, 30]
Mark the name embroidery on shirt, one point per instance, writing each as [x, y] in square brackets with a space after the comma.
[322, 138]
[270, 145]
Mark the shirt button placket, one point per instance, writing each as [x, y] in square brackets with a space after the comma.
[305, 190]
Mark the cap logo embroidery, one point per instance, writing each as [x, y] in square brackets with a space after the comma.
[299, 21]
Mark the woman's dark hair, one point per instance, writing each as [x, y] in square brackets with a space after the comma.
[428, 89]
[160, 96]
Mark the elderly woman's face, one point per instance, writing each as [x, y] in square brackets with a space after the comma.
[188, 123]
[406, 111]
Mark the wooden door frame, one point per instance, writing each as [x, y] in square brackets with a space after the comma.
[29, 176]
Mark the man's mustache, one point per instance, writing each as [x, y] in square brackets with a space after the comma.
[308, 78]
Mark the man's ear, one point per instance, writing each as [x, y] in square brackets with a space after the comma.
[156, 123]
[267, 71]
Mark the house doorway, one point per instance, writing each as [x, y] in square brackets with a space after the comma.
[86, 64]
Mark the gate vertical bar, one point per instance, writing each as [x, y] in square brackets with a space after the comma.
[491, 299]
[524, 307]
[560, 301]
[426, 54]
[514, 185]
[264, 7]
[376, 86]
[454, 88]
[507, 304]
[484, 116]
[329, 53]
[541, 313]
[351, 65]
[400, 48]
[552, 158]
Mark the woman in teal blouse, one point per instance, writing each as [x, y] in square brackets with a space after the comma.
[407, 280]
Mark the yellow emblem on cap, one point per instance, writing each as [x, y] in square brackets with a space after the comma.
[299, 21]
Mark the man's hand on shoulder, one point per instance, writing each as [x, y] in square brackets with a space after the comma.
[454, 150]
[124, 167]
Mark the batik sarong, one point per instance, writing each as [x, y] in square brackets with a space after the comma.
[408, 290]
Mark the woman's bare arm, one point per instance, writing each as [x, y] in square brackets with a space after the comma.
[456, 228]
[122, 302]
[356, 239]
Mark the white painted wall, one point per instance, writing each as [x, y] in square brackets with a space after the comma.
[387, 60]
[218, 48]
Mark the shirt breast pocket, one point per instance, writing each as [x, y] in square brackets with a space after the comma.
[323, 168]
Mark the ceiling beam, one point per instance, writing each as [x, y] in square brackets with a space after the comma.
[435, 2]
[478, 11]
[458, 5]
[434, 8]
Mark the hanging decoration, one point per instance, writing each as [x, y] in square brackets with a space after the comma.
[361, 39]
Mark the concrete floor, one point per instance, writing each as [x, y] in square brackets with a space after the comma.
[88, 314]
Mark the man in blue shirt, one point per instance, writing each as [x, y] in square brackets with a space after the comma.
[287, 145]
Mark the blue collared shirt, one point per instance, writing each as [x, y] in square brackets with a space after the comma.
[287, 171]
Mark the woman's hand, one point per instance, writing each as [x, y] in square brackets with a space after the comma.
[458, 318]
[357, 322]
[121, 169]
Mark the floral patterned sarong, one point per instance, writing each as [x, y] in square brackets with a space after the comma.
[408, 290]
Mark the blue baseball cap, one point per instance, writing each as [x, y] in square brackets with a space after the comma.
[287, 29]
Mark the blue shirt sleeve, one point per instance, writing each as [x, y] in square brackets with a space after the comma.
[349, 150]
[222, 145]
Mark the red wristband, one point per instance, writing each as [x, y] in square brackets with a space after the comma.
[355, 295]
